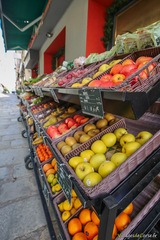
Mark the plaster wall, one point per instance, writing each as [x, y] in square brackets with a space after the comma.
[75, 21]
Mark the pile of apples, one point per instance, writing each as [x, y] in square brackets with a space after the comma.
[43, 106]
[120, 71]
[88, 131]
[92, 165]
[71, 76]
[55, 131]
[104, 67]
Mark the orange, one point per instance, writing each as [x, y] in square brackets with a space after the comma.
[51, 170]
[122, 221]
[79, 236]
[53, 162]
[129, 209]
[74, 226]
[91, 230]
[114, 233]
[95, 218]
[85, 216]
[46, 167]
[95, 238]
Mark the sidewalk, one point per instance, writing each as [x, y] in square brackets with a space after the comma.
[21, 212]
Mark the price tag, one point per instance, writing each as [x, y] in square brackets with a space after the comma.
[54, 95]
[46, 193]
[91, 102]
[38, 130]
[40, 92]
[35, 91]
[64, 181]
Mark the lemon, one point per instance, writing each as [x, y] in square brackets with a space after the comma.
[67, 206]
[60, 207]
[65, 215]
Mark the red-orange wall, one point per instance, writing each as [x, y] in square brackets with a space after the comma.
[95, 25]
[57, 44]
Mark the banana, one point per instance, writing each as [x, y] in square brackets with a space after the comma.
[38, 140]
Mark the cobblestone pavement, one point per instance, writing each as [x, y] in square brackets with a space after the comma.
[21, 212]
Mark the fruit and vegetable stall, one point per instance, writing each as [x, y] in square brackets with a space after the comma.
[95, 146]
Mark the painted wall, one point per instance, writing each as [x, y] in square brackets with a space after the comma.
[75, 21]
[96, 20]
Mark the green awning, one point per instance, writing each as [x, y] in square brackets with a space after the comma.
[20, 18]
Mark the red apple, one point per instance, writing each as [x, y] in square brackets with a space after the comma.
[118, 78]
[127, 62]
[53, 132]
[150, 67]
[131, 72]
[84, 120]
[106, 78]
[71, 123]
[62, 128]
[79, 119]
[107, 84]
[127, 68]
[143, 59]
[76, 116]
[116, 69]
[94, 83]
[67, 120]
[143, 75]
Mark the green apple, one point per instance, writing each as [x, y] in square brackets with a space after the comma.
[143, 137]
[92, 179]
[74, 161]
[109, 139]
[83, 169]
[130, 148]
[97, 159]
[86, 155]
[98, 147]
[106, 168]
[119, 132]
[126, 139]
[118, 158]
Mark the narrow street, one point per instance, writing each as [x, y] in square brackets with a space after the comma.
[21, 212]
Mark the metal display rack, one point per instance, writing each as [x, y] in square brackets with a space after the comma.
[109, 205]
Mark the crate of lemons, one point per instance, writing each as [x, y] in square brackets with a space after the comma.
[50, 171]
[67, 209]
[85, 224]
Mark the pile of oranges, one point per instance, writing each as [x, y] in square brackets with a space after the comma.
[50, 167]
[44, 153]
[85, 226]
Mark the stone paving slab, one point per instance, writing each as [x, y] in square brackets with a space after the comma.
[18, 188]
[21, 211]
[12, 137]
[13, 156]
[21, 218]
